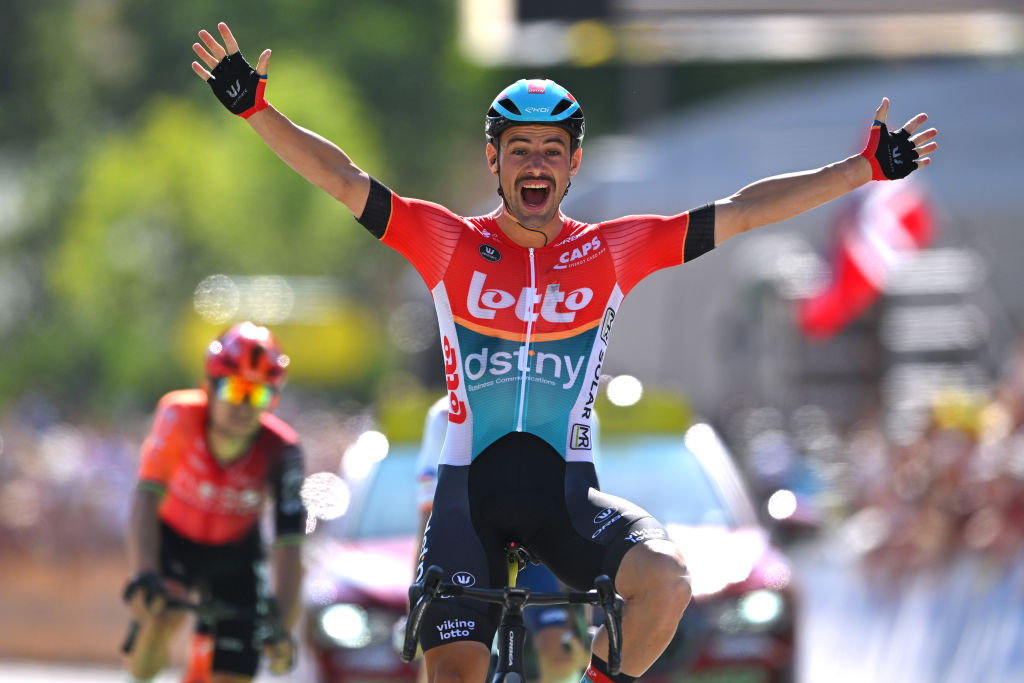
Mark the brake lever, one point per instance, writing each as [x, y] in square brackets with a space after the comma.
[611, 605]
[420, 595]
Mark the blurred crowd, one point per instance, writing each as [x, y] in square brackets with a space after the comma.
[956, 489]
[904, 505]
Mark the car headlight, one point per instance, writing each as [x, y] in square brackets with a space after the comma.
[756, 611]
[346, 624]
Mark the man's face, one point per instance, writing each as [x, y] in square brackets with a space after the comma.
[236, 406]
[535, 168]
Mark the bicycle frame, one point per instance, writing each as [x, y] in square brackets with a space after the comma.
[511, 634]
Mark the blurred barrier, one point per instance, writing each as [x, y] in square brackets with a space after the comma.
[959, 622]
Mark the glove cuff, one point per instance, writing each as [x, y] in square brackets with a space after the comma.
[261, 103]
[871, 150]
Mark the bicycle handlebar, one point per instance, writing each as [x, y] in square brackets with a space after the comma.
[211, 611]
[603, 595]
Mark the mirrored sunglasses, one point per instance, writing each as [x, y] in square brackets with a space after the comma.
[234, 390]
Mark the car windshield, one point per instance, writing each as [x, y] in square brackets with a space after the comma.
[664, 477]
[658, 473]
[389, 506]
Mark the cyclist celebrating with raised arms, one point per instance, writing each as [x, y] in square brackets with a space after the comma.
[208, 464]
[525, 298]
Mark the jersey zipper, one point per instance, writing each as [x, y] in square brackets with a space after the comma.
[524, 352]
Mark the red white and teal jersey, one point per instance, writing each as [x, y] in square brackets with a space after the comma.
[524, 332]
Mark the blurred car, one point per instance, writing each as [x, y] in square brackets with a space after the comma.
[740, 625]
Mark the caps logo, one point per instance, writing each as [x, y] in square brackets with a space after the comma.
[535, 87]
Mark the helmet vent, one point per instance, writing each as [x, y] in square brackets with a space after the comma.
[561, 106]
[507, 103]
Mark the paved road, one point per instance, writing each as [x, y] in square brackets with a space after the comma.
[32, 672]
[16, 672]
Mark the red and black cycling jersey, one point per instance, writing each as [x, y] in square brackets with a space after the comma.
[524, 331]
[213, 503]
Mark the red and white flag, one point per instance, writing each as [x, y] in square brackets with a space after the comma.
[885, 224]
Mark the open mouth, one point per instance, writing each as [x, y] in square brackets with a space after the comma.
[534, 195]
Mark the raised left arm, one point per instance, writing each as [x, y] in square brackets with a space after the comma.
[887, 156]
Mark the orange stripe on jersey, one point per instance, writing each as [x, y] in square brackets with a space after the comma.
[521, 337]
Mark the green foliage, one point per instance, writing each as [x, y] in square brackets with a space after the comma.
[188, 194]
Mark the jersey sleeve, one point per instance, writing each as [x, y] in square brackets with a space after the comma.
[641, 245]
[434, 429]
[424, 233]
[286, 482]
[158, 454]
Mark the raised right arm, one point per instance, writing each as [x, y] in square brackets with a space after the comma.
[314, 157]
[240, 89]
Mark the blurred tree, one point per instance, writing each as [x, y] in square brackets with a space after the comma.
[192, 193]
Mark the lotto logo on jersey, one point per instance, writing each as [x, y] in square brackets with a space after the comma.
[456, 408]
[554, 306]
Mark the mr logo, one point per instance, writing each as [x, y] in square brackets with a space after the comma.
[490, 253]
[606, 325]
[580, 439]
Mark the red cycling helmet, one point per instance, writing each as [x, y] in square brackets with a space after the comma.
[248, 351]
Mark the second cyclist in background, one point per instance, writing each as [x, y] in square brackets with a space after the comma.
[212, 460]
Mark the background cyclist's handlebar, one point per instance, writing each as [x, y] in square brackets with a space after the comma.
[212, 611]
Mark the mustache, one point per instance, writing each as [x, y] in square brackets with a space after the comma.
[534, 179]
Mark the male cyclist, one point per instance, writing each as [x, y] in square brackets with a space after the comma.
[212, 459]
[525, 298]
[554, 638]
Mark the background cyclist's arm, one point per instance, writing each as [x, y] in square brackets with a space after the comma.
[287, 571]
[289, 528]
[144, 529]
[315, 158]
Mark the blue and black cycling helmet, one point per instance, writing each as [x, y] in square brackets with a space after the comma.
[531, 102]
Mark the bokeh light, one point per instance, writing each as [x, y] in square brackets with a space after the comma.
[625, 390]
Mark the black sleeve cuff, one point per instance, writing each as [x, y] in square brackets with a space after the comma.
[700, 234]
[377, 212]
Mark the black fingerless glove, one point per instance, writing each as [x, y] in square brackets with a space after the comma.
[238, 86]
[891, 155]
[150, 583]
